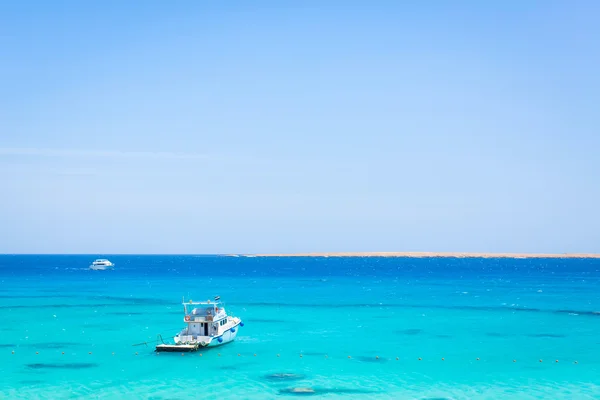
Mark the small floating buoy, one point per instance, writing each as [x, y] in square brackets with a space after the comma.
[113, 353]
[377, 357]
[182, 354]
[300, 355]
[556, 361]
[136, 353]
[397, 358]
[238, 354]
[349, 357]
[63, 353]
[477, 359]
[90, 352]
[200, 354]
[514, 360]
[277, 355]
[219, 354]
[540, 360]
[13, 352]
[442, 358]
[575, 361]
[37, 352]
[254, 354]
[419, 358]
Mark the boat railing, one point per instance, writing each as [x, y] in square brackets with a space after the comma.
[198, 318]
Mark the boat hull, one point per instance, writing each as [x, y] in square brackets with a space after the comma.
[226, 337]
[100, 267]
[208, 341]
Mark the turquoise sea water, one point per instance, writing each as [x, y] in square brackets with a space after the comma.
[350, 328]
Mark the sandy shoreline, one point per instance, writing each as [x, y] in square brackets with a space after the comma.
[432, 254]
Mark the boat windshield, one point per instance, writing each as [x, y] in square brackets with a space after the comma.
[201, 310]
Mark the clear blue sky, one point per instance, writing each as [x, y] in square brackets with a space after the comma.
[273, 126]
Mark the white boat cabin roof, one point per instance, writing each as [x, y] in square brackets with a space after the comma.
[201, 303]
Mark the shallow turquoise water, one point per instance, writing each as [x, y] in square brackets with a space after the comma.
[347, 328]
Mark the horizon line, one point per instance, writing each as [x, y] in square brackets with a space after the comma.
[407, 254]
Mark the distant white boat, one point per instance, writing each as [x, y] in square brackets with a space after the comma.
[101, 264]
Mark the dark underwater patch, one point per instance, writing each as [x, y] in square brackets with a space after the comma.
[298, 391]
[309, 391]
[131, 300]
[54, 345]
[51, 306]
[422, 306]
[371, 359]
[7, 345]
[284, 376]
[38, 296]
[409, 332]
[588, 313]
[126, 313]
[547, 335]
[444, 336]
[237, 366]
[61, 365]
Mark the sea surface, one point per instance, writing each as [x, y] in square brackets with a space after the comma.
[347, 328]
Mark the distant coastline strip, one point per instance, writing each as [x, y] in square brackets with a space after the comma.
[427, 255]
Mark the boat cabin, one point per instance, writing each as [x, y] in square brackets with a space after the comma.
[204, 319]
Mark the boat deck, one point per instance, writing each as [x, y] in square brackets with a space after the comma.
[177, 348]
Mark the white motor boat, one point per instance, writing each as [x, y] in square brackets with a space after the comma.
[207, 325]
[101, 264]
